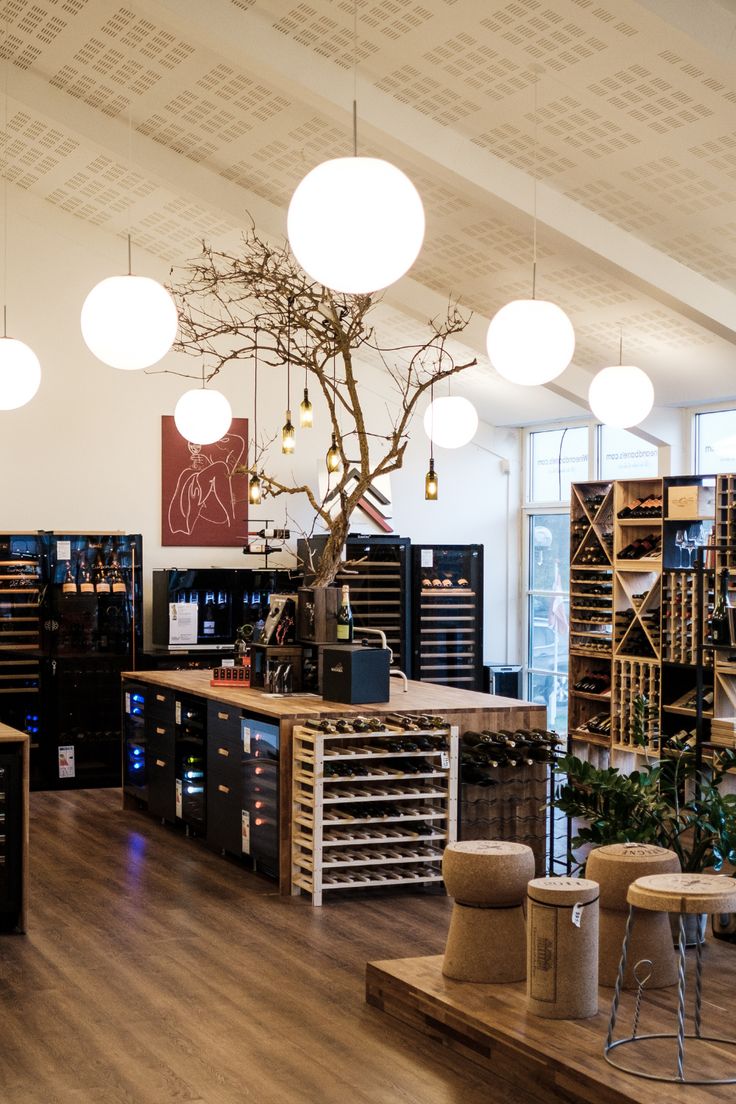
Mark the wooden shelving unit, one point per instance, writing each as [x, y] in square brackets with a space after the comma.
[386, 822]
[641, 624]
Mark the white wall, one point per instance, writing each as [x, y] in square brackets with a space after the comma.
[84, 455]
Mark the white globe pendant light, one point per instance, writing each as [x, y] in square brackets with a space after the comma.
[203, 415]
[621, 396]
[450, 421]
[129, 322]
[530, 341]
[20, 374]
[356, 224]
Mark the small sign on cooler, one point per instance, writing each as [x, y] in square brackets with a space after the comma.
[245, 831]
[67, 767]
[179, 801]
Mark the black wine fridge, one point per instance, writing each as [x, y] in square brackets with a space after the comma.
[70, 623]
[447, 605]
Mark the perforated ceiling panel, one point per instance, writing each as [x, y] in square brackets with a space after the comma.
[30, 150]
[634, 122]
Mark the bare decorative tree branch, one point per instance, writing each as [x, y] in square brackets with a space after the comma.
[224, 300]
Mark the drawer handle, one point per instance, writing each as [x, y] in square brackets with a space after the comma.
[223, 751]
[160, 731]
[160, 762]
[223, 716]
[224, 789]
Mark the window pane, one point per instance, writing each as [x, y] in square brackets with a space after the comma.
[549, 551]
[623, 455]
[548, 596]
[557, 458]
[715, 438]
[550, 690]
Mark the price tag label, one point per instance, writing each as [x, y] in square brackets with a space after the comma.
[177, 713]
[444, 760]
[63, 550]
[245, 831]
[179, 801]
[127, 701]
[427, 557]
[577, 914]
[245, 733]
[228, 663]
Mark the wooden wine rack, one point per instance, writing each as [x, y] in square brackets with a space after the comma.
[651, 615]
[379, 826]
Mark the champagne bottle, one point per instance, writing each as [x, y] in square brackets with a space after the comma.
[345, 618]
[720, 630]
[84, 576]
[117, 582]
[99, 575]
[68, 586]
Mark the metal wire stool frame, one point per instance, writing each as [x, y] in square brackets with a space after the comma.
[680, 1035]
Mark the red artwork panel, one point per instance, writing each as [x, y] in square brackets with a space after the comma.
[203, 500]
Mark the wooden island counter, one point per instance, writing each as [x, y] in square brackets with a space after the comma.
[169, 715]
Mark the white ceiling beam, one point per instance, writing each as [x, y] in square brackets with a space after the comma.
[305, 76]
[710, 23]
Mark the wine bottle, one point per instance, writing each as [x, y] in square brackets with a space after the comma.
[345, 618]
[68, 586]
[84, 577]
[99, 575]
[720, 630]
[117, 582]
[208, 621]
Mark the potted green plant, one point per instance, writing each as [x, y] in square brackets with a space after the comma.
[659, 803]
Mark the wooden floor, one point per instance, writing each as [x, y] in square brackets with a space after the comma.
[154, 972]
[564, 1059]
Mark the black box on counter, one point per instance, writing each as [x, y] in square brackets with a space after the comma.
[355, 675]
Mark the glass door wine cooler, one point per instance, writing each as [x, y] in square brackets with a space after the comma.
[448, 614]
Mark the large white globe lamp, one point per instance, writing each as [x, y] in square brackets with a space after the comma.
[621, 396]
[451, 421]
[20, 374]
[530, 341]
[356, 224]
[203, 415]
[129, 322]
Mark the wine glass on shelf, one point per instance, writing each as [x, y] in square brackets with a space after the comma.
[680, 539]
[691, 545]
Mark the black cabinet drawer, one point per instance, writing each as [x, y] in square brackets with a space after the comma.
[224, 817]
[223, 723]
[162, 784]
[160, 703]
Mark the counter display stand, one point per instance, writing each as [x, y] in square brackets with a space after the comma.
[371, 807]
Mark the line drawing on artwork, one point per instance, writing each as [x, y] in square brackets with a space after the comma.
[204, 489]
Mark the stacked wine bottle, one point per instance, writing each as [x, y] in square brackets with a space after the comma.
[484, 753]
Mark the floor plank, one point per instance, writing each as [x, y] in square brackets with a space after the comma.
[154, 972]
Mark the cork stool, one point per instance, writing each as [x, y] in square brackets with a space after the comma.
[562, 947]
[684, 894]
[615, 867]
[487, 937]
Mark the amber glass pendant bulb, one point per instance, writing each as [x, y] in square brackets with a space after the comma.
[254, 490]
[306, 413]
[431, 483]
[332, 459]
[288, 436]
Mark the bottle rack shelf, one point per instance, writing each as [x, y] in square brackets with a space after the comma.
[369, 811]
[634, 617]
